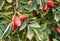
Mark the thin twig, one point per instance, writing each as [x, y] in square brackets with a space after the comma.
[18, 13]
[16, 4]
[14, 13]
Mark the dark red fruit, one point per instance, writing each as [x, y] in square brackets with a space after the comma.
[45, 7]
[23, 17]
[58, 30]
[50, 4]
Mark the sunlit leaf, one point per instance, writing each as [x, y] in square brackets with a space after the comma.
[30, 33]
[23, 26]
[36, 25]
[57, 16]
[7, 31]
[38, 33]
[43, 26]
[10, 1]
[31, 7]
[1, 4]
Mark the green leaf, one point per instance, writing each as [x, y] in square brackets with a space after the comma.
[9, 1]
[23, 26]
[38, 33]
[8, 12]
[37, 39]
[58, 8]
[31, 7]
[23, 1]
[58, 25]
[55, 39]
[7, 17]
[40, 2]
[57, 16]
[1, 33]
[7, 31]
[43, 26]
[36, 25]
[2, 4]
[30, 33]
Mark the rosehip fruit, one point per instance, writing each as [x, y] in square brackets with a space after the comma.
[50, 4]
[17, 21]
[23, 17]
[58, 30]
[13, 26]
[45, 7]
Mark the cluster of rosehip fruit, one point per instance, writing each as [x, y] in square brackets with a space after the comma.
[49, 4]
[17, 21]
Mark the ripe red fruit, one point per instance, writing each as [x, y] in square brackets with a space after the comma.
[45, 7]
[50, 4]
[23, 17]
[17, 21]
[58, 30]
[13, 26]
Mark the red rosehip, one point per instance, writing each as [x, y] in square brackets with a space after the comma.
[45, 7]
[17, 21]
[23, 17]
[13, 26]
[50, 4]
[58, 30]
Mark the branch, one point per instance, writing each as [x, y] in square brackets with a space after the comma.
[16, 4]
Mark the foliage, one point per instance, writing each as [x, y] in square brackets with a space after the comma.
[42, 24]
